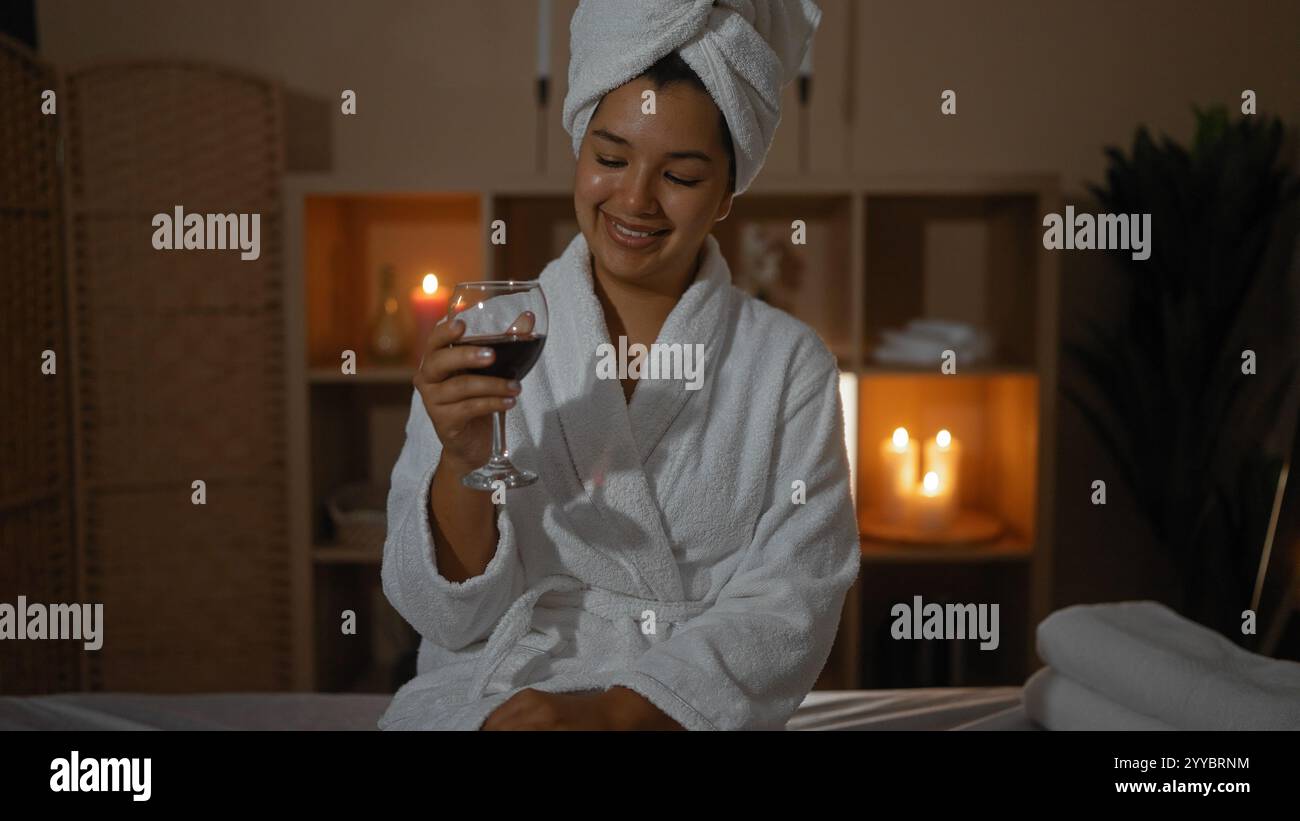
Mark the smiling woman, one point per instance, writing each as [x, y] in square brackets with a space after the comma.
[659, 575]
[650, 186]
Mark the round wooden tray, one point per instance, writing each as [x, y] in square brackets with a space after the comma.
[969, 527]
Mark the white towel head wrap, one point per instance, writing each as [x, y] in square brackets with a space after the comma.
[744, 51]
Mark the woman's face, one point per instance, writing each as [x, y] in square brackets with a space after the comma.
[627, 172]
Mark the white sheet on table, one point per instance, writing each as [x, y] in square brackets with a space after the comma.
[940, 708]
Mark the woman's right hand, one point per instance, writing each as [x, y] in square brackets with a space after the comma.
[460, 403]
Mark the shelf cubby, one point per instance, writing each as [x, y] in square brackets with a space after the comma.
[962, 257]
[993, 417]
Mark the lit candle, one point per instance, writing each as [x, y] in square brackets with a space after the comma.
[429, 304]
[932, 506]
[942, 456]
[898, 459]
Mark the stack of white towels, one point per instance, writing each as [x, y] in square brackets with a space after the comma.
[923, 342]
[1141, 666]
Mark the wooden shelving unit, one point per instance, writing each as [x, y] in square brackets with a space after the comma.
[1004, 549]
[968, 250]
[381, 375]
[863, 269]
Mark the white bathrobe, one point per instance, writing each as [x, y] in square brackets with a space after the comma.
[666, 546]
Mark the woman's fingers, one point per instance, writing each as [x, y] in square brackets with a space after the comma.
[443, 334]
[456, 416]
[523, 324]
[469, 386]
[442, 359]
[526, 709]
[442, 363]
[454, 394]
[505, 716]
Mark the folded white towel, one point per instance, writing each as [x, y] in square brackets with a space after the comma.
[1151, 661]
[1058, 703]
[923, 342]
[911, 351]
[744, 51]
[955, 333]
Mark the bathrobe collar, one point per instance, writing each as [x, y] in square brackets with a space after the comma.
[608, 439]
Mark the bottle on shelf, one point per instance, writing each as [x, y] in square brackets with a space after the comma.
[388, 337]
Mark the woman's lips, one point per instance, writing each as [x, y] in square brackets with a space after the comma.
[631, 243]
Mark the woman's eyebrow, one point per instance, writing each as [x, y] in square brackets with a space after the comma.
[674, 155]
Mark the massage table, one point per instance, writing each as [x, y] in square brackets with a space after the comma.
[938, 708]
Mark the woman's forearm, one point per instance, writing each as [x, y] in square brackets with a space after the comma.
[463, 522]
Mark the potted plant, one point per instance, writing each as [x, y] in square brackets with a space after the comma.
[1198, 441]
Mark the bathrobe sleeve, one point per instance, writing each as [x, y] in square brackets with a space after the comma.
[750, 659]
[449, 614]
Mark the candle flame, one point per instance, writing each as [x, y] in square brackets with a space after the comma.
[900, 438]
[944, 438]
[930, 484]
[430, 283]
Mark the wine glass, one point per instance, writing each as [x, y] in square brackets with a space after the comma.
[510, 318]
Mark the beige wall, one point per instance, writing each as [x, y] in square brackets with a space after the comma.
[446, 98]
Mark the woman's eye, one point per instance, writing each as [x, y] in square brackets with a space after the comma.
[619, 164]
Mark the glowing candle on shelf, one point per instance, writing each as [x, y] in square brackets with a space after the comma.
[942, 456]
[898, 460]
[429, 304]
[932, 506]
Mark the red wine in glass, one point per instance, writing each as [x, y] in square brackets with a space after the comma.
[515, 353]
[510, 317]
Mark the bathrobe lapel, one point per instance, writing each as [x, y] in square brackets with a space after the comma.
[698, 319]
[608, 440]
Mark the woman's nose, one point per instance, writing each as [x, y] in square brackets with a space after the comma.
[637, 194]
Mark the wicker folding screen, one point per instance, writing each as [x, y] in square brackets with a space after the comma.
[181, 377]
[36, 541]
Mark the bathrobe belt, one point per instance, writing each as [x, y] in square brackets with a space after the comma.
[567, 591]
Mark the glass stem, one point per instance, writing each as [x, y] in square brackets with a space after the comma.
[499, 452]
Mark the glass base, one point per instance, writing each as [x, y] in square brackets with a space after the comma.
[486, 477]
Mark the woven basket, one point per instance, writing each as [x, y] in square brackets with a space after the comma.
[360, 518]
